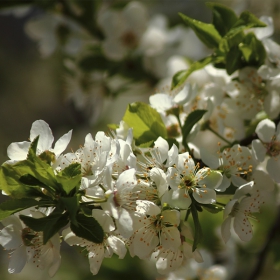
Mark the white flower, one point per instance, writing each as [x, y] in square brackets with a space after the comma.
[247, 199]
[268, 144]
[97, 251]
[27, 246]
[186, 179]
[233, 162]
[123, 29]
[153, 227]
[18, 150]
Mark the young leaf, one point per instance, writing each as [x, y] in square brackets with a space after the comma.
[190, 121]
[223, 17]
[49, 225]
[206, 32]
[70, 177]
[180, 77]
[12, 206]
[198, 234]
[10, 183]
[146, 123]
[233, 60]
[88, 228]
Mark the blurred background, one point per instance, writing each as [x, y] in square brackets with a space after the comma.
[32, 88]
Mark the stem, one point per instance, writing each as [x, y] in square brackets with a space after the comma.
[220, 136]
[274, 231]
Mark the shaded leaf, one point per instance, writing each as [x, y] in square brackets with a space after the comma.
[88, 228]
[198, 234]
[146, 123]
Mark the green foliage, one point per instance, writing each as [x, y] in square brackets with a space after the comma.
[213, 208]
[146, 123]
[190, 121]
[49, 225]
[88, 228]
[232, 49]
[206, 32]
[70, 177]
[198, 234]
[223, 17]
[12, 206]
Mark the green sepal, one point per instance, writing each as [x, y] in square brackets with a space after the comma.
[49, 225]
[213, 208]
[70, 177]
[223, 17]
[190, 121]
[206, 32]
[88, 228]
[146, 123]
[198, 234]
[12, 206]
[181, 76]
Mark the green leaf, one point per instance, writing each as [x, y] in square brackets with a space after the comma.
[10, 183]
[71, 204]
[223, 17]
[88, 228]
[49, 225]
[248, 20]
[190, 121]
[206, 32]
[146, 123]
[180, 77]
[253, 50]
[198, 234]
[70, 177]
[172, 141]
[12, 206]
[233, 60]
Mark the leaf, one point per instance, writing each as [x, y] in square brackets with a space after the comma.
[223, 17]
[12, 206]
[253, 50]
[233, 60]
[206, 32]
[49, 225]
[180, 77]
[71, 204]
[190, 121]
[172, 141]
[10, 183]
[70, 177]
[248, 20]
[88, 228]
[198, 234]
[146, 123]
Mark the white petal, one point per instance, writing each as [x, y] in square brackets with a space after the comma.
[124, 223]
[273, 169]
[105, 221]
[212, 180]
[204, 195]
[18, 150]
[161, 102]
[162, 147]
[95, 258]
[210, 159]
[17, 260]
[266, 130]
[127, 179]
[159, 177]
[147, 207]
[242, 227]
[117, 245]
[224, 184]
[41, 128]
[258, 149]
[225, 229]
[61, 143]
[170, 238]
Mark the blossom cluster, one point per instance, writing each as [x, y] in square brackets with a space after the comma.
[209, 142]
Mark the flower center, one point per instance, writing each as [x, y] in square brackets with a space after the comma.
[129, 39]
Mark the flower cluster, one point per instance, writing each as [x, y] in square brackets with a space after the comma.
[209, 142]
